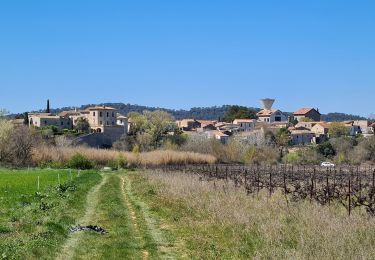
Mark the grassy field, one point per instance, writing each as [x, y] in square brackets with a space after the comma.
[215, 220]
[33, 223]
[158, 215]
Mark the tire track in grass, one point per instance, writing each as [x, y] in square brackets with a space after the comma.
[67, 251]
[133, 216]
[163, 247]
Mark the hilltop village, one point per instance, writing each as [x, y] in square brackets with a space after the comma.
[104, 125]
[304, 126]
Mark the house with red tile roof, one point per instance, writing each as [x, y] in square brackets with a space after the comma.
[310, 113]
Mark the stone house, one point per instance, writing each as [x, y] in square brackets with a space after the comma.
[307, 125]
[301, 137]
[310, 113]
[245, 124]
[47, 119]
[218, 135]
[188, 124]
[321, 128]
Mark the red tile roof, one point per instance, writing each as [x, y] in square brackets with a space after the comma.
[323, 124]
[304, 111]
[266, 112]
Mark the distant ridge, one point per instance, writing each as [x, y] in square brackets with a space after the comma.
[203, 113]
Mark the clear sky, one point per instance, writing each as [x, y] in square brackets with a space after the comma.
[188, 53]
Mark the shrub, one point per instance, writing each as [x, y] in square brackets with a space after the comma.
[326, 149]
[255, 155]
[78, 161]
[121, 160]
[292, 158]
[118, 163]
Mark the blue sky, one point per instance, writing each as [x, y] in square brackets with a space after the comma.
[182, 54]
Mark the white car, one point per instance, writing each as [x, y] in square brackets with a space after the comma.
[327, 164]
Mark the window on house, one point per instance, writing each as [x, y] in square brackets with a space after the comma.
[62, 123]
[107, 114]
[113, 114]
[107, 123]
[121, 121]
[45, 122]
[93, 113]
[100, 114]
[101, 122]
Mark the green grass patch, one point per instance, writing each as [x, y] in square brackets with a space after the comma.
[120, 242]
[34, 223]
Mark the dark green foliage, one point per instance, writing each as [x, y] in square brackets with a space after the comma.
[240, 112]
[283, 137]
[54, 128]
[78, 161]
[294, 122]
[82, 125]
[335, 117]
[326, 149]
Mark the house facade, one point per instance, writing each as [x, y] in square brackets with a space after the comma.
[245, 124]
[301, 137]
[320, 129]
[47, 119]
[100, 118]
[307, 125]
[218, 135]
[188, 124]
[271, 115]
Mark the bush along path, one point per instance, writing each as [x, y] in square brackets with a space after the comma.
[131, 231]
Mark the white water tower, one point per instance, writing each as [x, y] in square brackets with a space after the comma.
[267, 103]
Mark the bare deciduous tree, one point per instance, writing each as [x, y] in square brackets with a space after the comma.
[21, 144]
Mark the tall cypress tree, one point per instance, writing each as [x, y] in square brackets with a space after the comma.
[47, 111]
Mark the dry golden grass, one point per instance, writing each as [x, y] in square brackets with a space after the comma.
[273, 228]
[102, 157]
